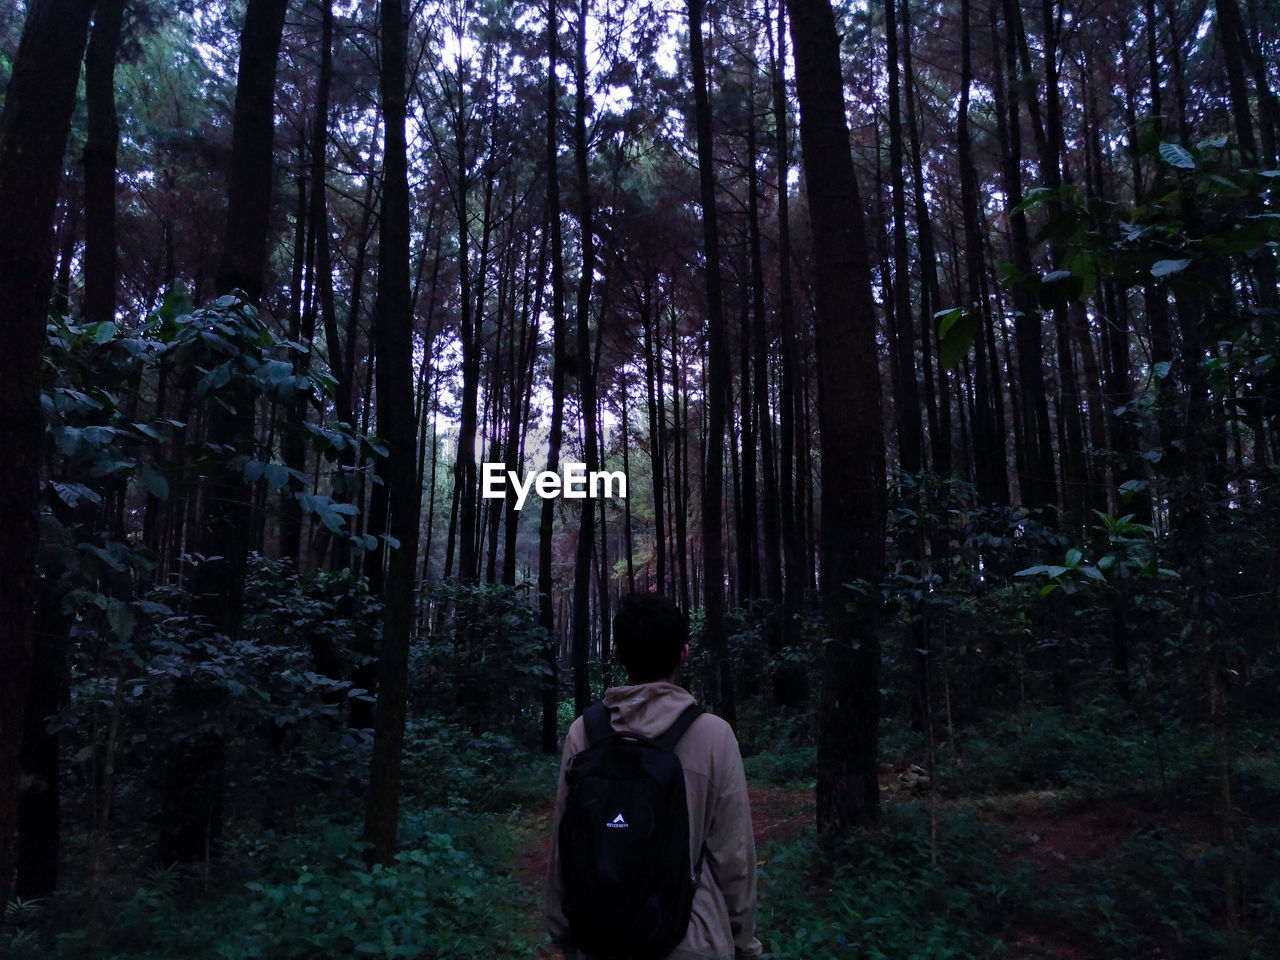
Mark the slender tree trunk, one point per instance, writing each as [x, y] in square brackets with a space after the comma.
[626, 504]
[764, 416]
[546, 612]
[988, 445]
[1037, 486]
[930, 298]
[852, 546]
[394, 317]
[790, 682]
[100, 150]
[192, 817]
[586, 378]
[657, 430]
[907, 405]
[718, 379]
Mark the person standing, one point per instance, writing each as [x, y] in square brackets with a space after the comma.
[651, 642]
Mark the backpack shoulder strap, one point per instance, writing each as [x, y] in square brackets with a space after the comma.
[678, 729]
[596, 720]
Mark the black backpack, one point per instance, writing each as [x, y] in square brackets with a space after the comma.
[624, 842]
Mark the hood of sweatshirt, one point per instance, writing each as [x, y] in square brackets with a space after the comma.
[647, 709]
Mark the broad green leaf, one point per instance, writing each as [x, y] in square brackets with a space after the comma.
[120, 617]
[277, 475]
[177, 302]
[955, 344]
[1165, 268]
[154, 483]
[1177, 156]
[947, 319]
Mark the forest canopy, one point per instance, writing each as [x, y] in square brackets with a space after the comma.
[924, 353]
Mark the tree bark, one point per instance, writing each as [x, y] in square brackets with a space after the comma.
[394, 318]
[546, 610]
[192, 818]
[100, 151]
[853, 509]
[718, 379]
[39, 100]
[790, 681]
[586, 378]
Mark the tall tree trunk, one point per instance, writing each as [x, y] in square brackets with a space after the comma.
[1074, 473]
[790, 682]
[464, 471]
[1037, 485]
[718, 379]
[657, 428]
[517, 426]
[100, 150]
[988, 444]
[1235, 57]
[546, 611]
[930, 296]
[853, 511]
[394, 317]
[764, 416]
[39, 100]
[192, 818]
[626, 504]
[907, 402]
[680, 460]
[586, 378]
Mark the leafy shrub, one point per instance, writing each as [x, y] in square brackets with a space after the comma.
[1100, 751]
[446, 765]
[480, 659]
[880, 896]
[435, 901]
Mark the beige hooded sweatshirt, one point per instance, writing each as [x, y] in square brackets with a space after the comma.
[722, 926]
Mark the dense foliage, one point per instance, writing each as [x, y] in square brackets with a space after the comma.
[995, 279]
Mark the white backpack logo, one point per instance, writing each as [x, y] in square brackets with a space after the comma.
[619, 822]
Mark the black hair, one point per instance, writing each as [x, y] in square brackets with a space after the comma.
[648, 633]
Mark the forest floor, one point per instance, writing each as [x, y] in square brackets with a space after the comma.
[1048, 835]
[1052, 838]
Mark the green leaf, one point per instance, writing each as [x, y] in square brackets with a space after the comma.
[1033, 199]
[1217, 142]
[277, 475]
[947, 319]
[102, 332]
[1161, 369]
[1177, 156]
[177, 302]
[154, 483]
[1060, 288]
[1164, 268]
[120, 617]
[954, 345]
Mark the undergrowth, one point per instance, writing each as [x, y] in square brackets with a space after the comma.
[306, 892]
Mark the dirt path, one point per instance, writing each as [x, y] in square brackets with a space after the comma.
[776, 814]
[1049, 837]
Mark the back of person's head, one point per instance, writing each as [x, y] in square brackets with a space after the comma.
[649, 631]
